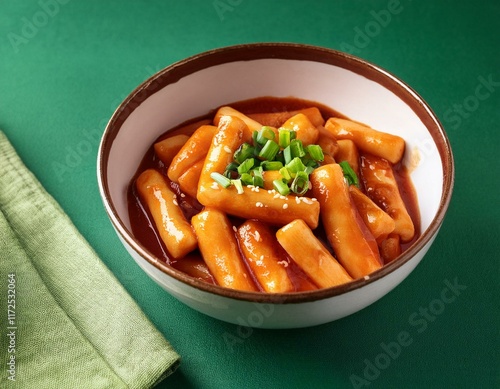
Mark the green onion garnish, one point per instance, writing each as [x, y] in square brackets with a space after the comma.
[244, 152]
[246, 179]
[255, 134]
[315, 152]
[269, 150]
[281, 187]
[258, 180]
[297, 148]
[295, 165]
[309, 169]
[246, 165]
[349, 174]
[300, 184]
[271, 165]
[285, 174]
[286, 154]
[266, 133]
[284, 137]
[220, 179]
[237, 184]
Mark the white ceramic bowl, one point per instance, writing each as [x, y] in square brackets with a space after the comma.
[352, 86]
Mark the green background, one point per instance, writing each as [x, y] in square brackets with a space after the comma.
[64, 67]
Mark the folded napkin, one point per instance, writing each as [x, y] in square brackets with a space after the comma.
[66, 322]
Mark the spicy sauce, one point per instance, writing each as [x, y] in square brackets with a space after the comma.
[144, 229]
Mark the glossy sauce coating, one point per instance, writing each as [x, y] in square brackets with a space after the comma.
[143, 228]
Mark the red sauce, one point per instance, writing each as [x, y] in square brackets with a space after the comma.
[143, 226]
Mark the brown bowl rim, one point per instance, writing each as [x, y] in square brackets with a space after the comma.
[293, 51]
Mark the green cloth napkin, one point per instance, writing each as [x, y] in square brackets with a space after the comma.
[66, 322]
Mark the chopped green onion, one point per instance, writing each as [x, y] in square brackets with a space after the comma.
[300, 184]
[246, 178]
[285, 174]
[287, 155]
[237, 184]
[311, 164]
[315, 152]
[258, 180]
[271, 165]
[244, 152]
[265, 134]
[220, 179]
[246, 165]
[284, 137]
[281, 187]
[309, 169]
[297, 148]
[349, 174]
[269, 150]
[295, 166]
[255, 134]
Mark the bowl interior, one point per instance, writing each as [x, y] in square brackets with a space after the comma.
[351, 86]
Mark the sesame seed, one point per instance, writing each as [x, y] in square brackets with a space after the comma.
[285, 206]
[175, 202]
[227, 149]
[259, 204]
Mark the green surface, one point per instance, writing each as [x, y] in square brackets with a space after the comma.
[64, 67]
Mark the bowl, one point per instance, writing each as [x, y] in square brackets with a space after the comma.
[352, 86]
